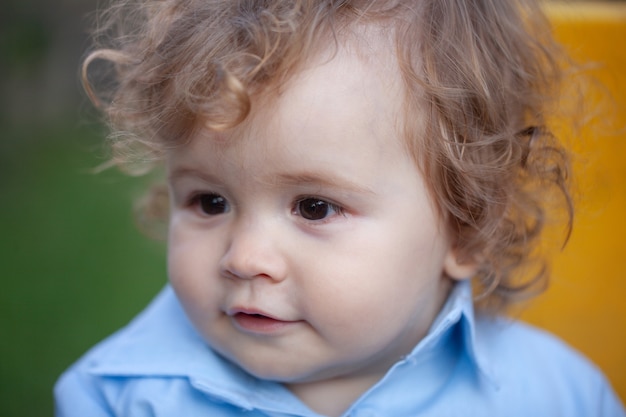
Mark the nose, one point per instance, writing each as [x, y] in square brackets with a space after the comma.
[254, 252]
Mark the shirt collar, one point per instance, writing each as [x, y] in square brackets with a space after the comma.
[459, 311]
[162, 342]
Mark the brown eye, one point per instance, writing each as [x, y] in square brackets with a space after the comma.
[315, 209]
[212, 204]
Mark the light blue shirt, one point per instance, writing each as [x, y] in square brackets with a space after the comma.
[466, 366]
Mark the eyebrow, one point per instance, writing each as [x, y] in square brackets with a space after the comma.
[321, 180]
[182, 172]
[315, 179]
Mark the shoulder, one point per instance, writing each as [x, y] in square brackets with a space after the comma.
[153, 335]
[504, 338]
[524, 348]
[533, 367]
[153, 357]
[158, 365]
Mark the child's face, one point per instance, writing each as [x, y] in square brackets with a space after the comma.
[303, 244]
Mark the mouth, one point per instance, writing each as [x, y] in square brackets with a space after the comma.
[258, 323]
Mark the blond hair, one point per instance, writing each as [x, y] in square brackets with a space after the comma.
[479, 77]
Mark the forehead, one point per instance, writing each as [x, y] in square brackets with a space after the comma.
[352, 84]
[343, 102]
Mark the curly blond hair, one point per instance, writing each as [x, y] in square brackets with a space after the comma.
[480, 78]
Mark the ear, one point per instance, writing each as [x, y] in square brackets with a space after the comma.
[458, 268]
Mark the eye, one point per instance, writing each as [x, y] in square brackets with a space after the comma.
[312, 208]
[211, 204]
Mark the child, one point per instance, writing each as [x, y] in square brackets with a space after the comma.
[346, 180]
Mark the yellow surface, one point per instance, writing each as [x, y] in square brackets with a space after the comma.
[586, 301]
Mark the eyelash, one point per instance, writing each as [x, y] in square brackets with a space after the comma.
[322, 209]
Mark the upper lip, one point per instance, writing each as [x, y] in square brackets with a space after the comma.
[251, 311]
[255, 311]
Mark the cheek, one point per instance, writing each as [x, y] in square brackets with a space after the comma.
[193, 281]
[381, 282]
[191, 264]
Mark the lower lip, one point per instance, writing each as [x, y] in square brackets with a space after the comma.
[260, 324]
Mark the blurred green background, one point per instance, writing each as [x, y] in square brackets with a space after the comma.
[74, 268]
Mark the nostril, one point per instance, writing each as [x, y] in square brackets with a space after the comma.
[228, 274]
[250, 257]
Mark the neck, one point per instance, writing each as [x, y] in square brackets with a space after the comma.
[332, 397]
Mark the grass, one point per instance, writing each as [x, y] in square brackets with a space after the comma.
[75, 268]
